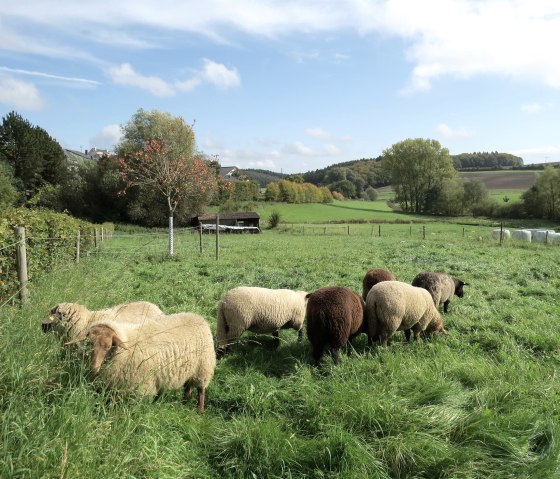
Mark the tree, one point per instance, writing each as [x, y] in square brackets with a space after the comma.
[370, 193]
[542, 200]
[416, 167]
[33, 156]
[8, 194]
[158, 152]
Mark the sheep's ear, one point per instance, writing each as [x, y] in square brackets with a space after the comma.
[466, 284]
[118, 342]
[444, 331]
[78, 339]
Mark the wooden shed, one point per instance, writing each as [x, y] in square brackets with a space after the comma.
[240, 222]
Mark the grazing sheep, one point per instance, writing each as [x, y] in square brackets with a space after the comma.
[259, 310]
[441, 286]
[335, 315]
[154, 356]
[396, 306]
[69, 320]
[374, 276]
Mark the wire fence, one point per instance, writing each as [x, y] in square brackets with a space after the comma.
[14, 279]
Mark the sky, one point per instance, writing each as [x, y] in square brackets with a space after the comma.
[290, 85]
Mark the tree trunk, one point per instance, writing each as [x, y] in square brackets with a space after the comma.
[171, 234]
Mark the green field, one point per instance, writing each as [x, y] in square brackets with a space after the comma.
[483, 402]
[349, 210]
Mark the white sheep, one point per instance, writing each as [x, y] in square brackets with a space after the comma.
[69, 320]
[154, 356]
[396, 306]
[259, 310]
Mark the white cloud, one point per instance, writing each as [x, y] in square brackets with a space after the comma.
[318, 133]
[458, 38]
[540, 150]
[20, 95]
[262, 164]
[331, 150]
[532, 108]
[449, 133]
[298, 148]
[220, 75]
[125, 75]
[213, 73]
[107, 138]
[77, 80]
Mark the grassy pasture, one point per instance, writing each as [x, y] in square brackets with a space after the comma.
[483, 402]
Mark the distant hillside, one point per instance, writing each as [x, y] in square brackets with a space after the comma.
[264, 177]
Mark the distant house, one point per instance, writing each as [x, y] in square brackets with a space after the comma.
[228, 172]
[240, 222]
[97, 153]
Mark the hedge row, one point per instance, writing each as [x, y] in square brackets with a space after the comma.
[50, 240]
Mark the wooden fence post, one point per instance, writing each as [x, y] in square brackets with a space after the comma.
[348, 230]
[410, 231]
[380, 231]
[78, 247]
[95, 239]
[200, 237]
[217, 237]
[21, 255]
[423, 231]
[501, 233]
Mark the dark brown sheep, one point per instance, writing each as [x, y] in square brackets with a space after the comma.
[374, 276]
[335, 315]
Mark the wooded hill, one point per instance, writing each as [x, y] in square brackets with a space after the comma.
[353, 177]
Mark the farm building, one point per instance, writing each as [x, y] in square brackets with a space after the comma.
[240, 222]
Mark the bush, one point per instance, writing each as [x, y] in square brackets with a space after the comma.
[50, 240]
[274, 219]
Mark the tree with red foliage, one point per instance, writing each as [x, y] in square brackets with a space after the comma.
[164, 159]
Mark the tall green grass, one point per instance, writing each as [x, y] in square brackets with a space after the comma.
[483, 402]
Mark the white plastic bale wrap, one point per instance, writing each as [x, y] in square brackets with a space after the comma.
[554, 238]
[521, 235]
[541, 236]
[496, 234]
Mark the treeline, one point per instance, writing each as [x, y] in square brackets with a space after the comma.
[486, 160]
[296, 192]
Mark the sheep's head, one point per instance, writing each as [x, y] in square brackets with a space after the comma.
[459, 287]
[436, 326]
[104, 340]
[55, 320]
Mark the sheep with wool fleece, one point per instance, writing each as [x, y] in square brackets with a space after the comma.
[259, 310]
[374, 276]
[335, 315]
[396, 306]
[441, 287]
[154, 356]
[69, 320]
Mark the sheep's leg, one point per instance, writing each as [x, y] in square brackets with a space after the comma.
[201, 395]
[445, 306]
[187, 392]
[276, 341]
[335, 355]
[300, 335]
[407, 334]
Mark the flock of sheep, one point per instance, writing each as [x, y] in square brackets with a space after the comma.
[147, 351]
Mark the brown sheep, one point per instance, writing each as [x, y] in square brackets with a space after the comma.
[335, 315]
[374, 276]
[441, 287]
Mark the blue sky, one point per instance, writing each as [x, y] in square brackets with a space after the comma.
[290, 85]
